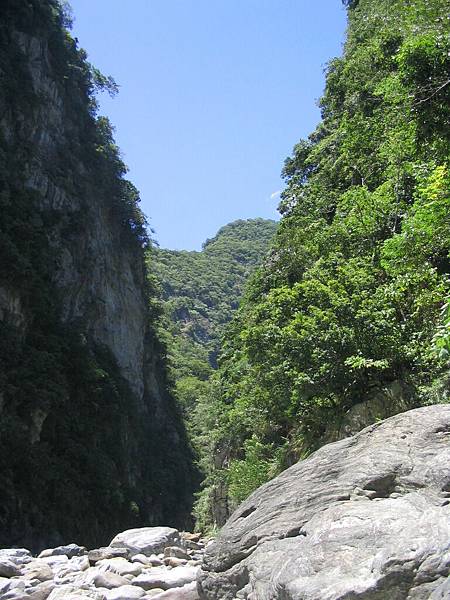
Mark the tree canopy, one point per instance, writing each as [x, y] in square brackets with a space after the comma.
[354, 293]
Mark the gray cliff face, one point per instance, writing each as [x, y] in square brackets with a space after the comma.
[84, 395]
[99, 280]
[366, 517]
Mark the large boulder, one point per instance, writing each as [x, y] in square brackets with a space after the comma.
[367, 517]
[146, 540]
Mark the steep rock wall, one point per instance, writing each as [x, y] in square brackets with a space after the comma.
[91, 439]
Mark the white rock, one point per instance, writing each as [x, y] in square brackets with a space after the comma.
[8, 568]
[176, 552]
[38, 569]
[55, 561]
[69, 592]
[4, 584]
[152, 560]
[18, 556]
[109, 580]
[125, 592]
[41, 591]
[186, 592]
[70, 571]
[146, 540]
[121, 566]
[166, 579]
[107, 552]
[70, 550]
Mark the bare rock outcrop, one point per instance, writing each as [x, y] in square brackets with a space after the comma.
[366, 517]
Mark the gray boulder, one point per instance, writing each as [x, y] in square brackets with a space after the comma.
[109, 580]
[146, 540]
[107, 552]
[126, 592]
[74, 593]
[186, 592]
[8, 568]
[165, 578]
[367, 517]
[42, 591]
[70, 551]
[176, 552]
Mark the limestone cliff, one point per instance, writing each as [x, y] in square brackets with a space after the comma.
[90, 438]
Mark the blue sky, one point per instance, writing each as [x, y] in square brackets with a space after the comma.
[213, 96]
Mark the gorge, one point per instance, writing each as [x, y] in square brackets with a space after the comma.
[284, 390]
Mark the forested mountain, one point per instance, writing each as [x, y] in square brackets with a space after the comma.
[348, 320]
[91, 441]
[200, 293]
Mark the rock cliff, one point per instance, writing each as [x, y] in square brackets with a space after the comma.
[88, 428]
[366, 517]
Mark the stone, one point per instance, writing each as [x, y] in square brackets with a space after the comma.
[106, 552]
[176, 552]
[69, 592]
[307, 535]
[8, 568]
[38, 569]
[109, 580]
[4, 584]
[151, 560]
[121, 566]
[19, 556]
[15, 595]
[70, 570]
[172, 561]
[70, 550]
[125, 592]
[55, 561]
[192, 545]
[192, 537]
[146, 540]
[442, 592]
[186, 592]
[165, 578]
[42, 591]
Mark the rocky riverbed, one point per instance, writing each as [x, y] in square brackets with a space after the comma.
[152, 562]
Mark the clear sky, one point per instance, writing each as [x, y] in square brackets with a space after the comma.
[213, 96]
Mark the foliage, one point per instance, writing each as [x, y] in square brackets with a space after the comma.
[200, 292]
[350, 297]
[442, 336]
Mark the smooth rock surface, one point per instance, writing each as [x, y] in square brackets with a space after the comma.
[176, 551]
[186, 592]
[74, 593]
[121, 566]
[107, 552]
[109, 580]
[146, 540]
[125, 592]
[70, 551]
[367, 517]
[166, 579]
[8, 568]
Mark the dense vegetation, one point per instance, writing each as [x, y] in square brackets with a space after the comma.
[354, 294]
[200, 293]
[69, 475]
